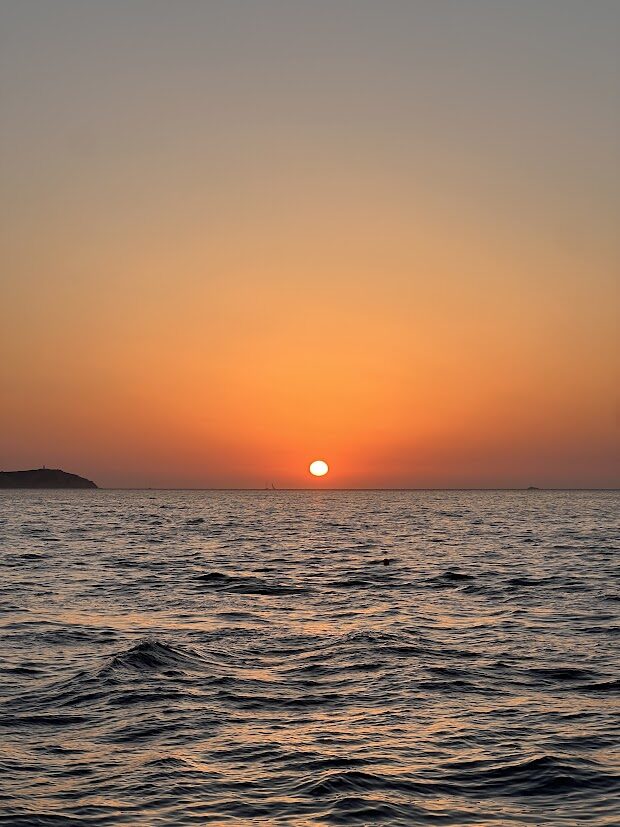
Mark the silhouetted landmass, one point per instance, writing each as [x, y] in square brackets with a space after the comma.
[43, 478]
[532, 488]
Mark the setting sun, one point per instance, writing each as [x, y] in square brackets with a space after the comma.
[319, 468]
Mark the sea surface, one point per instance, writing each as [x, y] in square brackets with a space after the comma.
[247, 658]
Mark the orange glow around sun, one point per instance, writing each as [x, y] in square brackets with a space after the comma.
[214, 305]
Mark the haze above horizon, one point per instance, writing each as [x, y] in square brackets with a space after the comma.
[238, 237]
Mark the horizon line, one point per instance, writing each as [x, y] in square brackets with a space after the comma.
[275, 490]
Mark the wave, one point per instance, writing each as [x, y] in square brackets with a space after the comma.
[450, 578]
[602, 686]
[560, 674]
[45, 720]
[543, 775]
[153, 654]
[247, 584]
[31, 819]
[355, 780]
[353, 583]
[528, 582]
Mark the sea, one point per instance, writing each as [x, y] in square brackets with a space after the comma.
[309, 658]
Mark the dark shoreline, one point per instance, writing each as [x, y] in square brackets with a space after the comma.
[43, 478]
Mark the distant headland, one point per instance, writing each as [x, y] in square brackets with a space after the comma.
[43, 478]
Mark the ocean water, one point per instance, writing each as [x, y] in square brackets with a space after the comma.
[176, 658]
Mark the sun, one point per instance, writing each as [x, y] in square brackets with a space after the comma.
[319, 468]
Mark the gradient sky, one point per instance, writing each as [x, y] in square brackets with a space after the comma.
[238, 236]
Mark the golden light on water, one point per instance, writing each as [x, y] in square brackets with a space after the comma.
[319, 468]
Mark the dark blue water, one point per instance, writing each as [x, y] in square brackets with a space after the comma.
[176, 658]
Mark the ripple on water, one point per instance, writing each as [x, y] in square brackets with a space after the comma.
[243, 658]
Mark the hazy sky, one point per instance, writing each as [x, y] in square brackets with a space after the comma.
[238, 236]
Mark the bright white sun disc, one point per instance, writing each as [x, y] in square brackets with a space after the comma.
[319, 468]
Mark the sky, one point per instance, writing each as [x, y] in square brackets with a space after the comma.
[237, 237]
